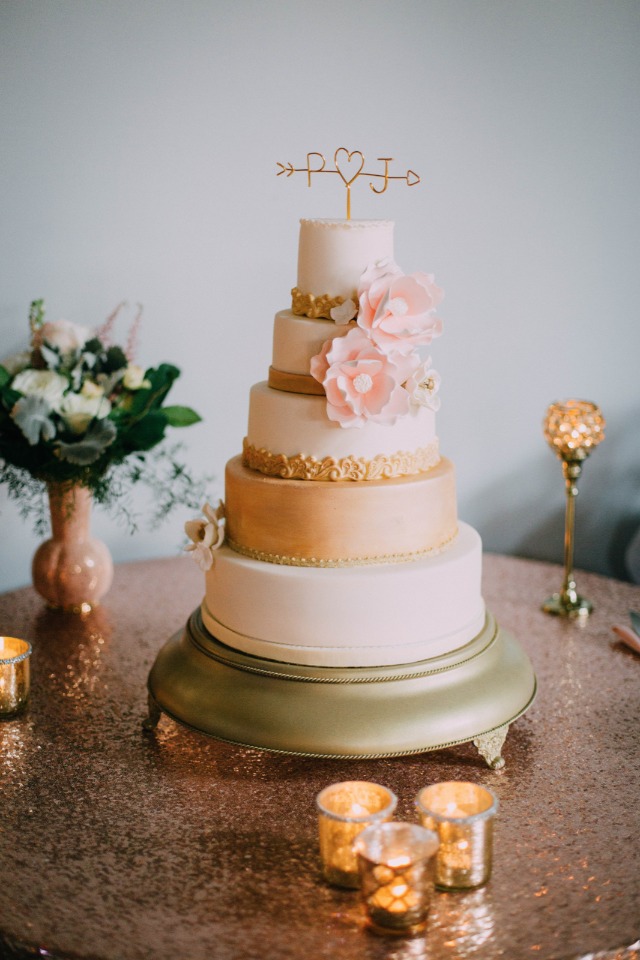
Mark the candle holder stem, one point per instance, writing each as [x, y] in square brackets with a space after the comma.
[568, 602]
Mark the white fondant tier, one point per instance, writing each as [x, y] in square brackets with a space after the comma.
[297, 339]
[329, 524]
[297, 425]
[333, 254]
[349, 617]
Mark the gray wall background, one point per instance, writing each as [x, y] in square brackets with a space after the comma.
[138, 148]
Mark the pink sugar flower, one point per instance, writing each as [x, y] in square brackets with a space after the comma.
[361, 382]
[397, 312]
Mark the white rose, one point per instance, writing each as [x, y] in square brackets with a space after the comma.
[47, 384]
[91, 389]
[16, 362]
[78, 411]
[134, 378]
[64, 335]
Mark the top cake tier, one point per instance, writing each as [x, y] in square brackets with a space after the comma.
[333, 254]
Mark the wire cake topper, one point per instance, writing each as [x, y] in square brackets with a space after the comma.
[348, 165]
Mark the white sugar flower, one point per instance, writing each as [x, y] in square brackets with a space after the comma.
[206, 535]
[423, 386]
[46, 384]
[345, 312]
[78, 410]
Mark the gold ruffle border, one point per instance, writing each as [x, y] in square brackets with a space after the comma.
[286, 561]
[382, 467]
[308, 305]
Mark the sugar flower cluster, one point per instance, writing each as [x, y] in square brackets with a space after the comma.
[375, 372]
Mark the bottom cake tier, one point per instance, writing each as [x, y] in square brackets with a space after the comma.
[470, 694]
[357, 615]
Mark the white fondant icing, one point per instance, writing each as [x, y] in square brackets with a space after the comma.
[333, 254]
[355, 616]
[292, 424]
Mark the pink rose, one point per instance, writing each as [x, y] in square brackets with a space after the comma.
[64, 335]
[361, 382]
[396, 312]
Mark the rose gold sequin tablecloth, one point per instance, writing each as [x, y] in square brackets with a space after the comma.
[117, 845]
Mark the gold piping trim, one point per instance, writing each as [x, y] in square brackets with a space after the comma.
[308, 305]
[295, 383]
[382, 467]
[359, 562]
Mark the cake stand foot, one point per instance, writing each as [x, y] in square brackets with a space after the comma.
[489, 746]
[153, 719]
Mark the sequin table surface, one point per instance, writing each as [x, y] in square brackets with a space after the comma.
[119, 845]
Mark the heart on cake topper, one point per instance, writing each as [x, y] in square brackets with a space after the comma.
[349, 165]
[351, 162]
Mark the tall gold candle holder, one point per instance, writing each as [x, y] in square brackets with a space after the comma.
[572, 429]
[14, 675]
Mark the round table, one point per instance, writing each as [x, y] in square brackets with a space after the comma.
[123, 845]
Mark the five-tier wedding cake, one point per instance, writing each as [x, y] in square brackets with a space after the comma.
[343, 613]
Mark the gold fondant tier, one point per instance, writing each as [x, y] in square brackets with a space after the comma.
[289, 520]
[342, 712]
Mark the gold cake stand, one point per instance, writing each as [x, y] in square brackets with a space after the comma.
[472, 694]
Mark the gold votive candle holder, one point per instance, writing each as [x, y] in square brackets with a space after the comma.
[462, 814]
[15, 675]
[397, 872]
[344, 810]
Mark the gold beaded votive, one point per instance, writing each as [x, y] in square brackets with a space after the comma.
[397, 869]
[462, 815]
[15, 675]
[344, 810]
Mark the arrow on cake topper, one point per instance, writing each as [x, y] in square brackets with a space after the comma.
[348, 165]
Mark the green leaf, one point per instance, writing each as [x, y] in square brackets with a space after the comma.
[181, 416]
[144, 434]
[115, 359]
[5, 376]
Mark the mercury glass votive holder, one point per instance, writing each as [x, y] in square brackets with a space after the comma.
[344, 810]
[397, 871]
[462, 814]
[15, 675]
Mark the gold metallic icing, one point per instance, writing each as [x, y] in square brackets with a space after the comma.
[267, 517]
[308, 305]
[300, 467]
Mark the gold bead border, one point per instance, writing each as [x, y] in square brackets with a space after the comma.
[382, 467]
[286, 561]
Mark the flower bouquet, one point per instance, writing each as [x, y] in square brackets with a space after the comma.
[79, 418]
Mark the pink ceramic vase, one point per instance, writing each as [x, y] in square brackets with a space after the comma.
[72, 571]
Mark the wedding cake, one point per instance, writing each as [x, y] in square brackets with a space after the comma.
[340, 583]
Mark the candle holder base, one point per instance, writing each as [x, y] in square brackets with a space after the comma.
[471, 694]
[568, 606]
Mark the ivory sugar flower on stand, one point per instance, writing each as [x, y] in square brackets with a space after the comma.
[75, 410]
